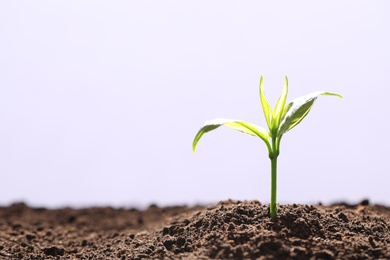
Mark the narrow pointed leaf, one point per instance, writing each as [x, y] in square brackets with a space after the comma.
[278, 110]
[238, 125]
[264, 103]
[297, 109]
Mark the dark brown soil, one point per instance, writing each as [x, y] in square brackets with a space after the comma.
[228, 230]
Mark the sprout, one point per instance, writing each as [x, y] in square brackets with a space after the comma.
[279, 121]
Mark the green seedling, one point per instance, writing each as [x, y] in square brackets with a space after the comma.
[279, 120]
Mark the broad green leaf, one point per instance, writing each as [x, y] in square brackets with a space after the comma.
[264, 103]
[286, 108]
[297, 109]
[238, 125]
[278, 110]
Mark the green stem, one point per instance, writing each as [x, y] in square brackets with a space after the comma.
[273, 206]
[274, 158]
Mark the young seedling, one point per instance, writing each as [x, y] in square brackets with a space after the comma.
[279, 120]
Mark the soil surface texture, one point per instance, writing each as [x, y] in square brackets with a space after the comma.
[227, 230]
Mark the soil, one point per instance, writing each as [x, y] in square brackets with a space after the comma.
[227, 230]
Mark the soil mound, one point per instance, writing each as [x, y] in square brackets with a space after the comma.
[227, 230]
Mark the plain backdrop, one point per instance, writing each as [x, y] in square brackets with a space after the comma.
[100, 101]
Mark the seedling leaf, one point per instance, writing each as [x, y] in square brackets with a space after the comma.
[245, 127]
[297, 109]
[264, 103]
[278, 110]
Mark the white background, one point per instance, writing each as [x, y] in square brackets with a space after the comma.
[100, 101]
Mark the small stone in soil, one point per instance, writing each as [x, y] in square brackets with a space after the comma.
[54, 251]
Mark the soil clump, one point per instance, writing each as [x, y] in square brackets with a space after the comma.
[227, 230]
